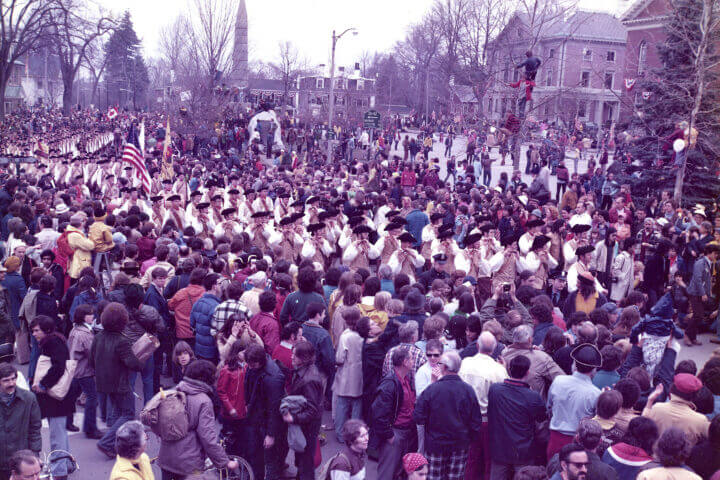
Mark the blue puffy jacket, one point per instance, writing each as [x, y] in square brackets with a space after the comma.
[200, 320]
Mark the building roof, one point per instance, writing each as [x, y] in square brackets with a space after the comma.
[639, 6]
[13, 92]
[267, 84]
[394, 109]
[464, 93]
[582, 24]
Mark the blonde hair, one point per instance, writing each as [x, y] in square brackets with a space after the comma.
[382, 299]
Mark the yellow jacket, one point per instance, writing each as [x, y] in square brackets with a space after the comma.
[101, 235]
[83, 248]
[124, 469]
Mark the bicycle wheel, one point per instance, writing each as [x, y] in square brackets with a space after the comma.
[243, 472]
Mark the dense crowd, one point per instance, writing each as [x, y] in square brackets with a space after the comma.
[266, 296]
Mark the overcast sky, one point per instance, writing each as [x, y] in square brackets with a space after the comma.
[307, 23]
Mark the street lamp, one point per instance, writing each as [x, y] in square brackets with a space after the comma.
[335, 38]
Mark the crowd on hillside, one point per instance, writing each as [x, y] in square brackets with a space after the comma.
[465, 327]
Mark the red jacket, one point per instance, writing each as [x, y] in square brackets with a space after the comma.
[231, 391]
[408, 179]
[266, 325]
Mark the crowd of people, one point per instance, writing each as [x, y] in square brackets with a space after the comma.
[269, 300]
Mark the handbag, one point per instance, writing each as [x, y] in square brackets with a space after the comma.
[145, 346]
[61, 388]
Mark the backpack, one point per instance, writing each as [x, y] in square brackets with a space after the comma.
[63, 245]
[324, 473]
[166, 415]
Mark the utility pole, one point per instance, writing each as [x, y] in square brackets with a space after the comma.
[331, 109]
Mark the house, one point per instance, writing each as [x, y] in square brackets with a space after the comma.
[464, 100]
[14, 95]
[581, 75]
[645, 25]
[354, 94]
[265, 89]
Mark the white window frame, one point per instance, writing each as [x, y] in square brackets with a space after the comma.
[589, 78]
[360, 84]
[612, 81]
[642, 57]
[319, 83]
[549, 77]
[587, 55]
[614, 56]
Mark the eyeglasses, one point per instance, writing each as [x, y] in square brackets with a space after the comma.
[580, 465]
[433, 355]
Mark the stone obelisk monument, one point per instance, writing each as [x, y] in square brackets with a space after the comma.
[240, 48]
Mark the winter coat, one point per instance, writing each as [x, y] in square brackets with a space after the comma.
[263, 392]
[16, 289]
[155, 299]
[231, 391]
[111, 353]
[54, 346]
[451, 414]
[622, 270]
[79, 344]
[386, 406]
[201, 321]
[7, 329]
[295, 306]
[85, 298]
[22, 423]
[181, 304]
[188, 454]
[348, 378]
[124, 469]
[659, 323]
[82, 251]
[144, 319]
[267, 327]
[307, 383]
[47, 305]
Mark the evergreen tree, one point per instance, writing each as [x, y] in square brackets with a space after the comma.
[126, 74]
[672, 90]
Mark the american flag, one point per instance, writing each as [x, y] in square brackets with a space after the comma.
[133, 154]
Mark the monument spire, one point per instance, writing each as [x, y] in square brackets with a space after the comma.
[240, 47]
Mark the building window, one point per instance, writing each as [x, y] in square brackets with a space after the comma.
[587, 54]
[585, 79]
[319, 83]
[506, 72]
[611, 56]
[551, 53]
[549, 77]
[360, 85]
[642, 57]
[609, 80]
[516, 75]
[547, 109]
[582, 109]
[340, 84]
[490, 105]
[502, 106]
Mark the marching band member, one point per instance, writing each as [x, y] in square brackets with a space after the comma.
[202, 223]
[316, 248]
[526, 240]
[286, 242]
[263, 203]
[539, 261]
[191, 211]
[246, 209]
[445, 243]
[570, 246]
[388, 242]
[259, 231]
[282, 206]
[430, 233]
[229, 226]
[311, 210]
[175, 212]
[406, 260]
[582, 266]
[233, 199]
[216, 208]
[476, 261]
[157, 212]
[360, 251]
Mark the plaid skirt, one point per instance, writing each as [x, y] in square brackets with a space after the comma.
[450, 466]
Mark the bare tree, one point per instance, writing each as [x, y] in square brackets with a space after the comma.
[211, 37]
[697, 38]
[22, 24]
[94, 61]
[289, 67]
[74, 27]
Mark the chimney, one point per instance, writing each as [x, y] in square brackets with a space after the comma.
[357, 69]
[341, 69]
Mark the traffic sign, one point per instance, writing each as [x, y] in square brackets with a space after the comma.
[371, 119]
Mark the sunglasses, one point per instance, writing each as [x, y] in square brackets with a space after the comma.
[433, 355]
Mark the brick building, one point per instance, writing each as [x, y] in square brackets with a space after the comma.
[354, 95]
[645, 25]
[581, 74]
